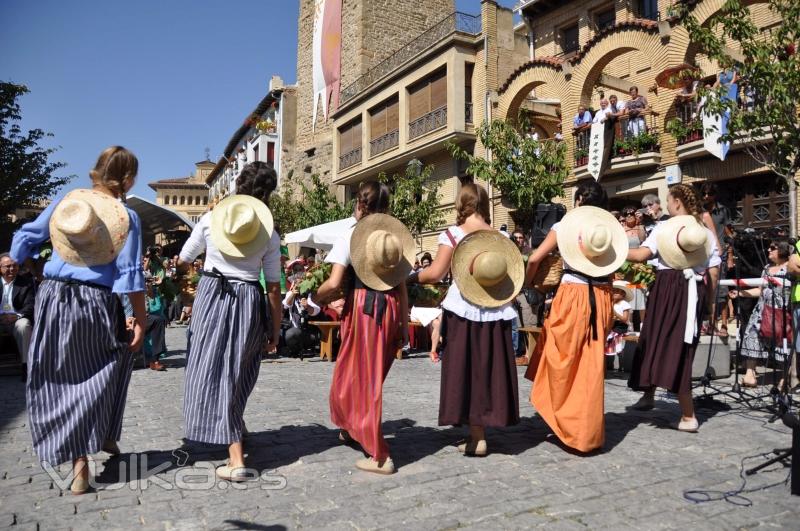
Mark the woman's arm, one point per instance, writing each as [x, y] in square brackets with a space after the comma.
[140, 317]
[640, 254]
[274, 298]
[437, 270]
[548, 246]
[330, 290]
[642, 233]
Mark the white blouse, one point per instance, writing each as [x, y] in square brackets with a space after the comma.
[340, 253]
[713, 261]
[456, 303]
[268, 258]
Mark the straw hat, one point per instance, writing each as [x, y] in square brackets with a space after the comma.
[89, 228]
[381, 251]
[241, 225]
[623, 286]
[488, 268]
[592, 241]
[683, 242]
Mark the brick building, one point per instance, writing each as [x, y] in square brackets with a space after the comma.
[187, 196]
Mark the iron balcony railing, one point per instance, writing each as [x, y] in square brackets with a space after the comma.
[580, 143]
[634, 136]
[468, 112]
[428, 122]
[351, 158]
[454, 23]
[384, 142]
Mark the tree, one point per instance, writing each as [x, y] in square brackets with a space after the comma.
[285, 210]
[26, 174]
[770, 69]
[317, 205]
[526, 171]
[415, 198]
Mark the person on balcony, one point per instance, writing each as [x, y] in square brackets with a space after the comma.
[635, 109]
[582, 120]
[617, 107]
[601, 115]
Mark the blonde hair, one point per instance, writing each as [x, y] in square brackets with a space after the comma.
[115, 166]
[688, 197]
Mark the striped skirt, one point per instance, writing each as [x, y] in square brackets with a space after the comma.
[79, 368]
[226, 338]
[366, 354]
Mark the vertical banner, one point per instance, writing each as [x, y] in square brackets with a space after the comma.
[596, 149]
[326, 55]
[714, 126]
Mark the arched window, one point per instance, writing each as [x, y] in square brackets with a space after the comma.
[189, 200]
[205, 200]
[197, 200]
[174, 199]
[183, 200]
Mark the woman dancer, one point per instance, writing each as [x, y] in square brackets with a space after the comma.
[80, 356]
[227, 330]
[568, 365]
[479, 380]
[374, 259]
[687, 251]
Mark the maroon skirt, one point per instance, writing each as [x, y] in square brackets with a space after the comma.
[662, 358]
[479, 374]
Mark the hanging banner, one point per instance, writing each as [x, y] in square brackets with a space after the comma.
[596, 148]
[326, 55]
[714, 126]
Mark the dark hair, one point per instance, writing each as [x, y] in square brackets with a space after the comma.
[114, 167]
[708, 188]
[426, 256]
[784, 249]
[472, 199]
[591, 194]
[257, 179]
[373, 198]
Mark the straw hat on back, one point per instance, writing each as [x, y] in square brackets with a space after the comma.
[89, 228]
[683, 242]
[241, 225]
[488, 268]
[381, 251]
[592, 241]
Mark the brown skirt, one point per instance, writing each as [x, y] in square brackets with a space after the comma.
[479, 374]
[662, 358]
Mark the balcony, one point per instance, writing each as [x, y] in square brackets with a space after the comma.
[349, 159]
[454, 23]
[468, 112]
[384, 143]
[426, 123]
[635, 146]
[580, 146]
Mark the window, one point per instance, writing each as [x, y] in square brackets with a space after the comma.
[428, 95]
[183, 200]
[569, 39]
[197, 200]
[605, 19]
[205, 200]
[350, 144]
[384, 132]
[255, 152]
[271, 152]
[174, 199]
[469, 68]
[648, 9]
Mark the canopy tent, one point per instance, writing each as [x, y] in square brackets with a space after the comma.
[157, 219]
[321, 236]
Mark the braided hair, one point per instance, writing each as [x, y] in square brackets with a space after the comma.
[115, 167]
[257, 179]
[688, 197]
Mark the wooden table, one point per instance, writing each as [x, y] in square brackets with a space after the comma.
[326, 339]
[532, 333]
[631, 338]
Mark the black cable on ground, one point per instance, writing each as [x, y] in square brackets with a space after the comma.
[733, 496]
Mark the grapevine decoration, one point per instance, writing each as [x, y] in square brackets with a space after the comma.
[426, 295]
[315, 277]
[635, 273]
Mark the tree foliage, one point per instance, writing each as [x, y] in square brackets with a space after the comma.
[770, 69]
[415, 198]
[316, 205]
[526, 171]
[26, 173]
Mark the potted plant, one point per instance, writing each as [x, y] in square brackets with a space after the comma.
[678, 129]
[581, 157]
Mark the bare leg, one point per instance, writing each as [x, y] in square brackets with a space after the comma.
[477, 433]
[750, 376]
[236, 453]
[687, 405]
[435, 324]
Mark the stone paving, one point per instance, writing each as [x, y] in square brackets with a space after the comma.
[308, 479]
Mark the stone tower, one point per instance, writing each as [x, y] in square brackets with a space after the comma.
[371, 31]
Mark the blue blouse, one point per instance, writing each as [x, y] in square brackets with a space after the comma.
[123, 275]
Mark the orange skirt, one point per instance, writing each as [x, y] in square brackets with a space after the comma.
[568, 367]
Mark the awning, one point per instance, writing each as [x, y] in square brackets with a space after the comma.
[321, 236]
[157, 219]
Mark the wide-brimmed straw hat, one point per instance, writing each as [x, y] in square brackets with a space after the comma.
[625, 288]
[592, 241]
[89, 228]
[381, 251]
[488, 268]
[683, 242]
[241, 225]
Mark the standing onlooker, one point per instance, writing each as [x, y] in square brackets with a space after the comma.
[652, 203]
[582, 119]
[525, 301]
[299, 336]
[720, 216]
[634, 108]
[155, 345]
[602, 115]
[16, 313]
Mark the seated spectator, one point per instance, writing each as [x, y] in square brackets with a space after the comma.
[300, 335]
[635, 109]
[155, 345]
[16, 312]
[583, 119]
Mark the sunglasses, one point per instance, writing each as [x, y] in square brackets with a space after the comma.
[773, 247]
[629, 213]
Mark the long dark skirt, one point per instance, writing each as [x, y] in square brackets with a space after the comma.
[662, 358]
[226, 339]
[79, 368]
[479, 374]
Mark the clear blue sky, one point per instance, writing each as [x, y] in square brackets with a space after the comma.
[164, 78]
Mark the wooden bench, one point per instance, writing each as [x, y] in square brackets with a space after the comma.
[326, 339]
[532, 332]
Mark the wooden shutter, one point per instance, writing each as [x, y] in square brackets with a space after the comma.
[345, 139]
[355, 139]
[392, 116]
[419, 101]
[438, 91]
[378, 122]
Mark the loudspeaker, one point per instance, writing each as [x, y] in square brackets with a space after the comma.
[547, 215]
[720, 358]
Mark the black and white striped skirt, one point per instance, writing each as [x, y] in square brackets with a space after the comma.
[79, 368]
[226, 339]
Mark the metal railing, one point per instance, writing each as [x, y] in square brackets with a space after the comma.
[351, 158]
[428, 122]
[384, 142]
[580, 144]
[454, 23]
[635, 135]
[468, 112]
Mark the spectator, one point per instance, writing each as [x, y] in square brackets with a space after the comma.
[300, 335]
[504, 230]
[633, 230]
[583, 119]
[720, 214]
[155, 345]
[559, 136]
[652, 203]
[601, 115]
[526, 302]
[16, 313]
[728, 79]
[621, 296]
[435, 326]
[617, 107]
[635, 109]
[426, 260]
[519, 239]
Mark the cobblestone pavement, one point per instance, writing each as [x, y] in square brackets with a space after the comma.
[309, 481]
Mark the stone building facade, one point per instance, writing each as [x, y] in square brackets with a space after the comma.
[187, 196]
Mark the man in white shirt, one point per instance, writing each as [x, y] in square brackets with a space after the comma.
[601, 115]
[16, 305]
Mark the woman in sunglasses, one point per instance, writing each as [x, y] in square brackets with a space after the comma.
[635, 232]
[764, 333]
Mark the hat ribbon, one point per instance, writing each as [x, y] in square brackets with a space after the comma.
[678, 240]
[690, 329]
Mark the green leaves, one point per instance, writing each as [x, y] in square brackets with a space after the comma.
[415, 198]
[317, 205]
[315, 276]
